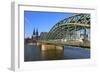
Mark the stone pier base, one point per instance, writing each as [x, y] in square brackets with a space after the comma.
[51, 47]
[52, 52]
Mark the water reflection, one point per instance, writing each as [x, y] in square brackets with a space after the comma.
[52, 54]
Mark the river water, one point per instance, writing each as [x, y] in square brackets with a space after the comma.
[33, 53]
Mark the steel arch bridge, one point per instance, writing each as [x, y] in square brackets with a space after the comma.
[68, 25]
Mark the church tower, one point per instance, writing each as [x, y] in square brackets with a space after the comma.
[37, 34]
[34, 32]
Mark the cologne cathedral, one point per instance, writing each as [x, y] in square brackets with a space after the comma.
[35, 34]
[34, 37]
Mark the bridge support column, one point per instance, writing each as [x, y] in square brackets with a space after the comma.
[51, 47]
[47, 47]
[58, 47]
[52, 51]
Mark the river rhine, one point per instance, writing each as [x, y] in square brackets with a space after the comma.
[33, 53]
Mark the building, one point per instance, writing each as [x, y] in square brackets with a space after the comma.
[35, 34]
[43, 35]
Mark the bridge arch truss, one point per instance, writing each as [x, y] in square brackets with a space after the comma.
[68, 26]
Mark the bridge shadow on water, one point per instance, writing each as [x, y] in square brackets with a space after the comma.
[33, 53]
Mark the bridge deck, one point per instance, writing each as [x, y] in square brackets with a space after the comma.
[85, 44]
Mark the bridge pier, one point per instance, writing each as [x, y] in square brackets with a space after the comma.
[59, 47]
[52, 51]
[51, 47]
[47, 47]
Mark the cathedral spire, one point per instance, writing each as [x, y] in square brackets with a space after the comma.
[34, 32]
[37, 32]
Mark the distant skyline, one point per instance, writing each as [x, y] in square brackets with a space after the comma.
[43, 21]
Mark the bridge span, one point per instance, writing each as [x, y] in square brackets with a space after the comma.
[72, 31]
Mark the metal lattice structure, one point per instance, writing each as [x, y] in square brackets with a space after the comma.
[68, 25]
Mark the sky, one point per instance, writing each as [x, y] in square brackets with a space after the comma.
[43, 21]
